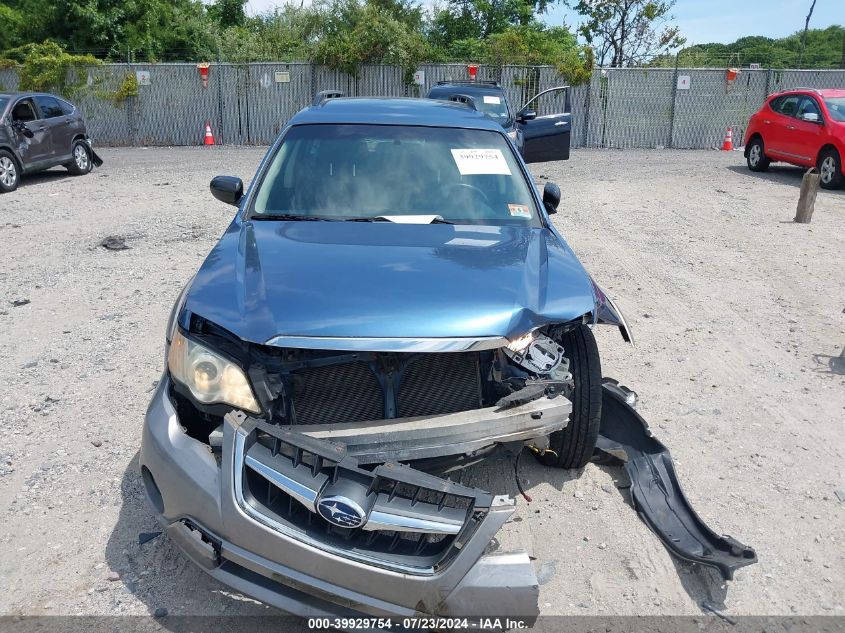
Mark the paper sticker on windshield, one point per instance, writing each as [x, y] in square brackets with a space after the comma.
[472, 162]
[519, 211]
[491, 99]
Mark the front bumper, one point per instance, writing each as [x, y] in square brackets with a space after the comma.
[194, 494]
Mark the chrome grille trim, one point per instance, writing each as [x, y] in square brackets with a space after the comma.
[250, 513]
[392, 511]
[416, 345]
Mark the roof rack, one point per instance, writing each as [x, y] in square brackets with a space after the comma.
[324, 95]
[467, 82]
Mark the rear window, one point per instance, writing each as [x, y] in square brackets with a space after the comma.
[835, 106]
[787, 105]
[50, 107]
[67, 108]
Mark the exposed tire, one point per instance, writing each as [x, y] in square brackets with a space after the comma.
[756, 157]
[81, 163]
[573, 446]
[10, 173]
[830, 169]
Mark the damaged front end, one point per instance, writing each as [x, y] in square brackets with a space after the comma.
[318, 496]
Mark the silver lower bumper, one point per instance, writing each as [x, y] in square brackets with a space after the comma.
[193, 494]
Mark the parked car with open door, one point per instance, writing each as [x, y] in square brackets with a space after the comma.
[538, 138]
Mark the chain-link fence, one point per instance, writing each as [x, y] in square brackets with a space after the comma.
[250, 103]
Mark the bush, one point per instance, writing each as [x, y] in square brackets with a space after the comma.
[46, 67]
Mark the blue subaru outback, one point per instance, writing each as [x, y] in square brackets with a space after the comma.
[390, 302]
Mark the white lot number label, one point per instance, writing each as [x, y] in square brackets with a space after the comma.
[473, 162]
[492, 99]
[142, 77]
[683, 82]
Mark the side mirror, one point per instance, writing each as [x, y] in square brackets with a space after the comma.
[228, 189]
[551, 197]
[810, 117]
[526, 115]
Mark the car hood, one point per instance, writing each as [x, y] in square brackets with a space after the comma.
[265, 279]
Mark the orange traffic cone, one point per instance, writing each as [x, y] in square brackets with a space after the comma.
[209, 137]
[728, 143]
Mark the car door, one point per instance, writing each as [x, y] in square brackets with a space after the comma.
[59, 126]
[36, 149]
[779, 127]
[805, 137]
[545, 137]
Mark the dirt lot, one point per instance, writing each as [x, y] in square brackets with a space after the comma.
[738, 315]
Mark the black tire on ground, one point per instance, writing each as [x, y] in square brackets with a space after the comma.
[10, 172]
[830, 169]
[81, 163]
[574, 445]
[756, 157]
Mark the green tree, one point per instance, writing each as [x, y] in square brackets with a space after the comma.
[350, 33]
[228, 13]
[628, 32]
[48, 67]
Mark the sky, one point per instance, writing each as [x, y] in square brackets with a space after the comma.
[705, 21]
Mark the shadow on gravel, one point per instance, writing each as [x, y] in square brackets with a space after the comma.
[49, 177]
[704, 585]
[782, 174]
[157, 574]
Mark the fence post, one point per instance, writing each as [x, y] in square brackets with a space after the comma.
[768, 81]
[220, 135]
[130, 103]
[587, 109]
[674, 89]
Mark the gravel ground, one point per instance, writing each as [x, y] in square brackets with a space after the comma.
[737, 311]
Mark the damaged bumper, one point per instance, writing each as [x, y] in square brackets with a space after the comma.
[295, 522]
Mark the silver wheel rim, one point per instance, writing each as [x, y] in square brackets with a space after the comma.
[827, 169]
[754, 155]
[81, 157]
[8, 172]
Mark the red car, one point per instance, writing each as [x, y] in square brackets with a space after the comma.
[804, 127]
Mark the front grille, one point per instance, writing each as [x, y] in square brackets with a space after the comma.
[347, 392]
[275, 463]
[440, 383]
[386, 386]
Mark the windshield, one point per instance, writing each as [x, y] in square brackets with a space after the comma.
[836, 107]
[343, 172]
[495, 108]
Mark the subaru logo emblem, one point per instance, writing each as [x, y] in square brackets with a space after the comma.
[341, 511]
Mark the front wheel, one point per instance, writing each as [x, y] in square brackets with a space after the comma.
[756, 158]
[830, 169]
[573, 446]
[10, 175]
[81, 163]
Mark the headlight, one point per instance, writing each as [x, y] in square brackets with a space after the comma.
[519, 345]
[210, 377]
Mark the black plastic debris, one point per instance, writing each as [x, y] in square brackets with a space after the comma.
[658, 499]
[146, 537]
[17, 303]
[114, 243]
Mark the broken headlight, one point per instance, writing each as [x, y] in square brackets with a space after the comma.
[209, 377]
[538, 354]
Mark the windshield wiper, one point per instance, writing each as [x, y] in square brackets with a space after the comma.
[290, 216]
